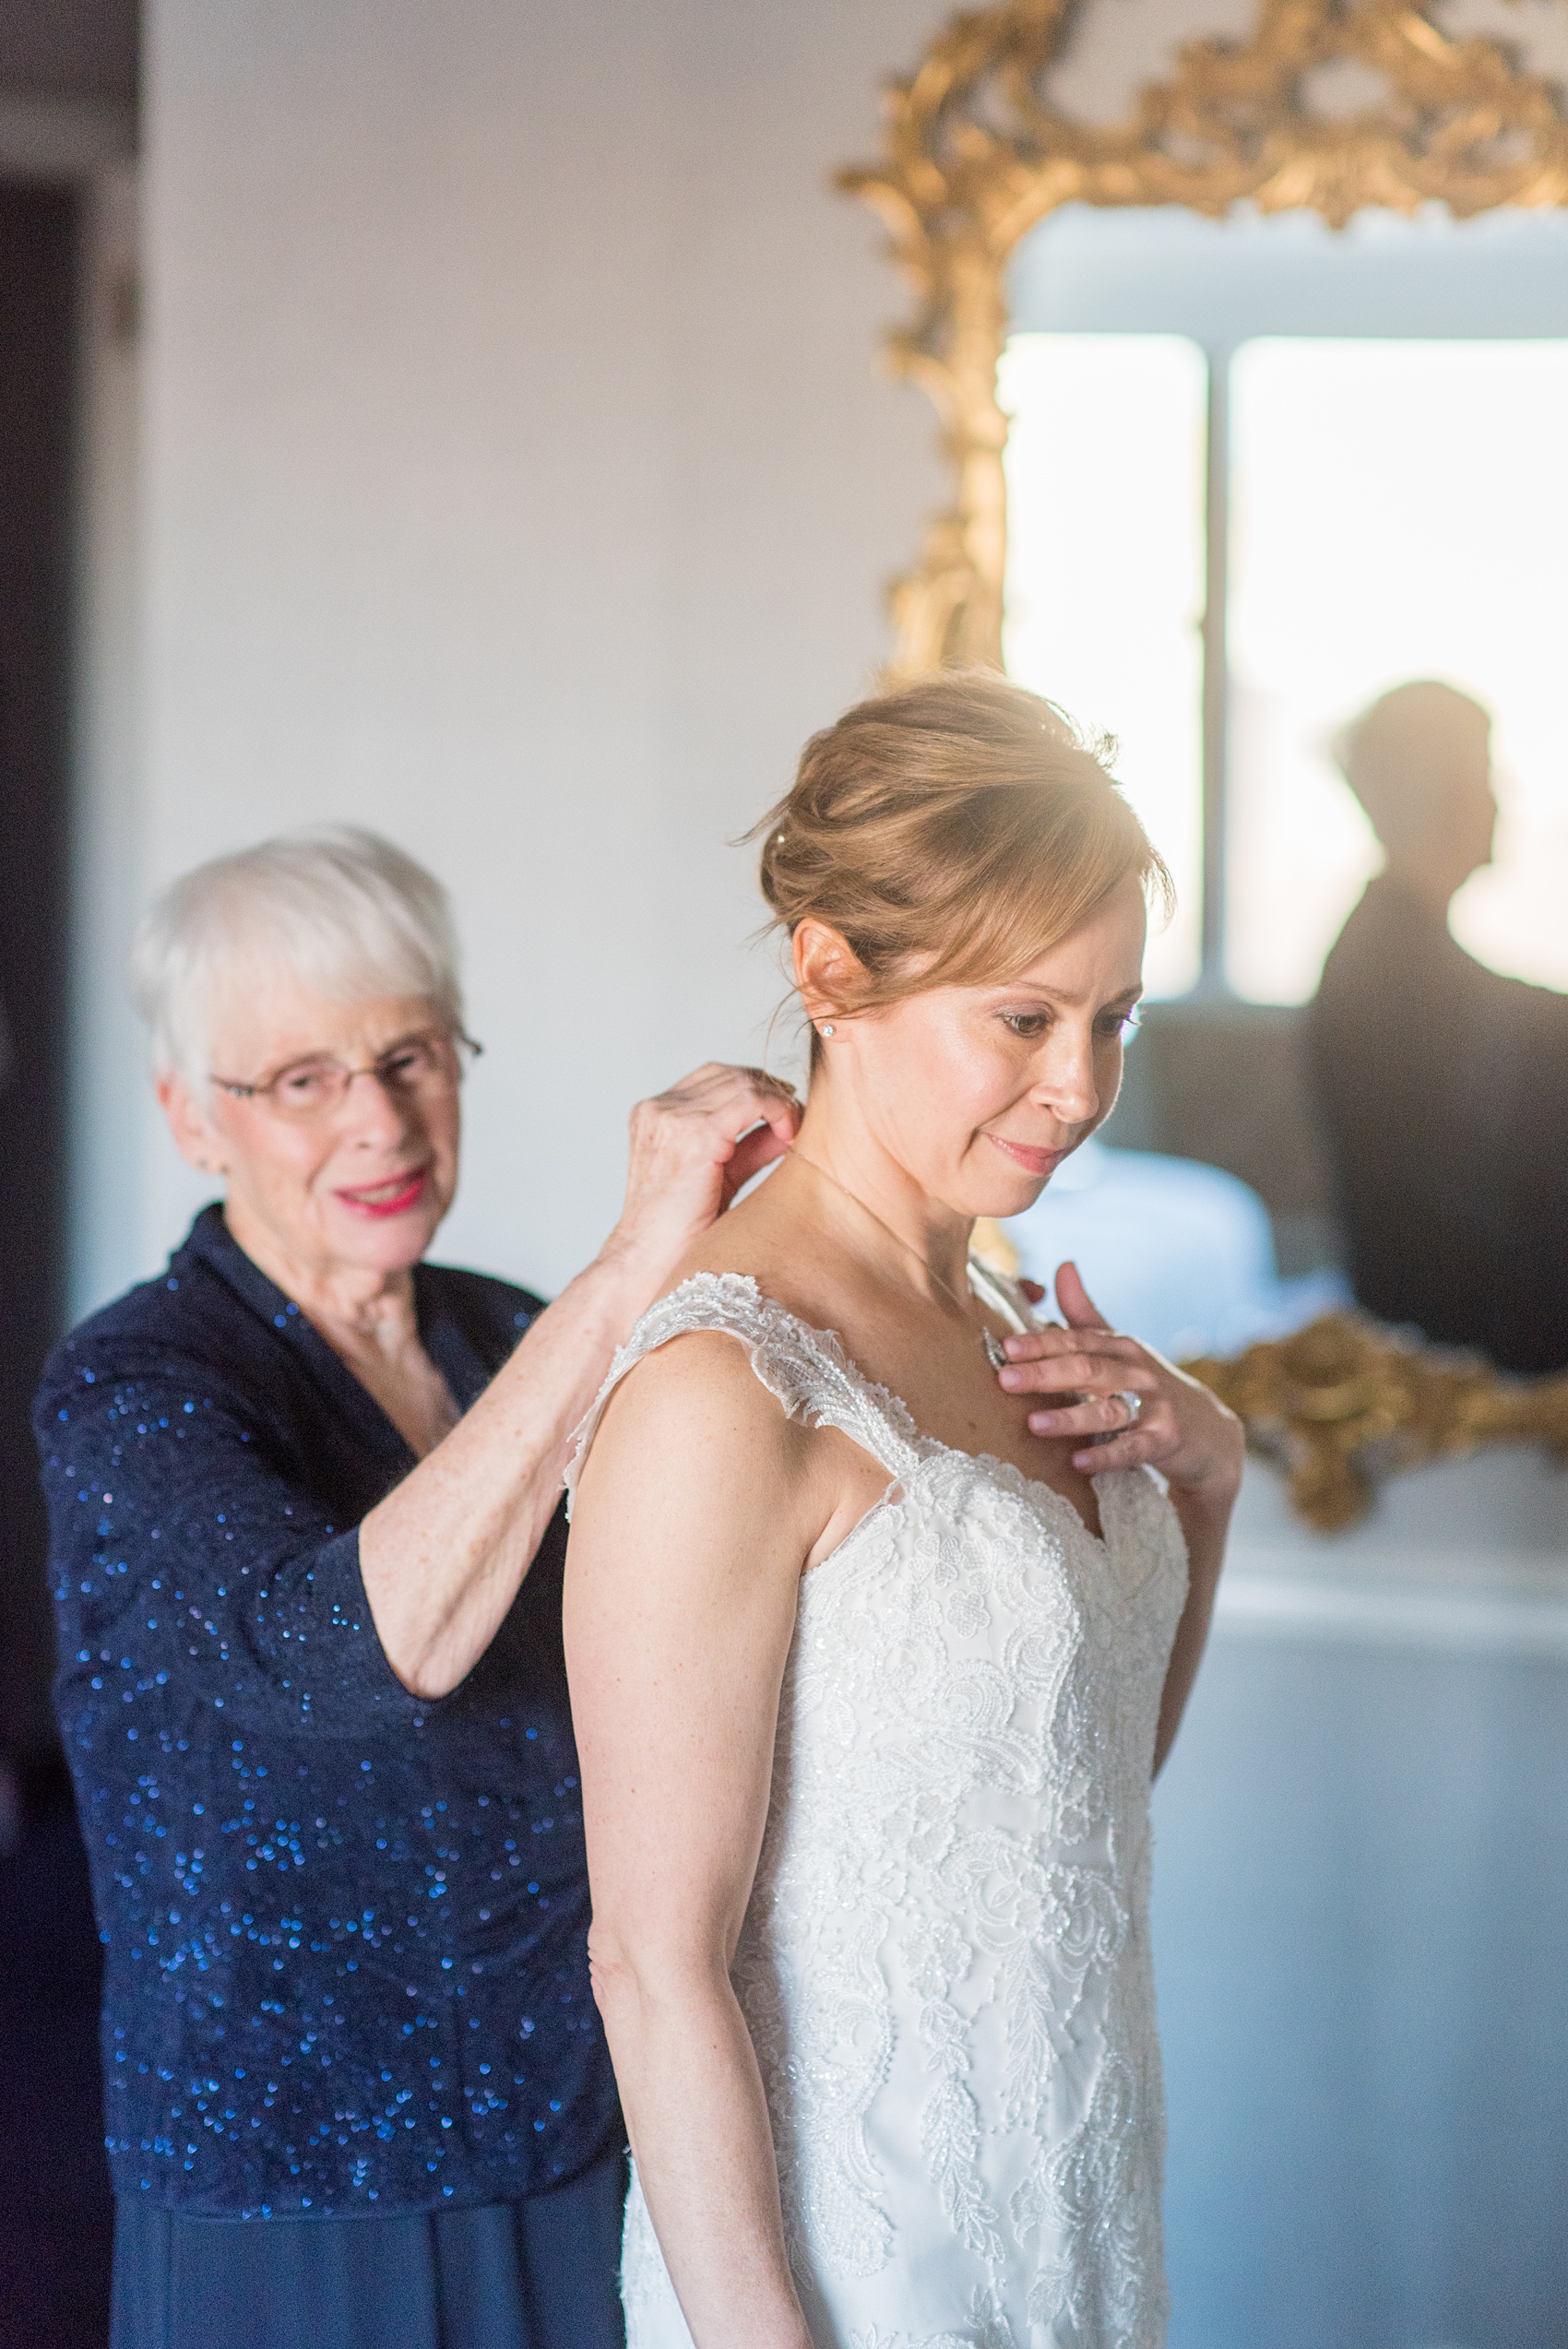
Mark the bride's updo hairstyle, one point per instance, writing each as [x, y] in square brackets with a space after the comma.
[951, 832]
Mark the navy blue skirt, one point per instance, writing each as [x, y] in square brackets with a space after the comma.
[542, 2273]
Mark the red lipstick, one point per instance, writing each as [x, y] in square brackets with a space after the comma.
[393, 1197]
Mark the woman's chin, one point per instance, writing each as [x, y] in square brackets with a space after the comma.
[383, 1243]
[997, 1201]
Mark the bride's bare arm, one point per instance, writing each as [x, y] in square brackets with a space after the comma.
[693, 1521]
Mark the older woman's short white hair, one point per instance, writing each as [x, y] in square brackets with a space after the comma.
[336, 909]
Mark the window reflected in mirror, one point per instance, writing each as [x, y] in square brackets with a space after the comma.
[1104, 575]
[1348, 448]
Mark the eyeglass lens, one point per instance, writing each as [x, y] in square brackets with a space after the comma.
[422, 1069]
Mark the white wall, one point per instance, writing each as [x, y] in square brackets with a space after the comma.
[519, 478]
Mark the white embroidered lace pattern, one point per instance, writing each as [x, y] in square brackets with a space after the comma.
[945, 1965]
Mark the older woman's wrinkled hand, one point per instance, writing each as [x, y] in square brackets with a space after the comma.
[1177, 1425]
[693, 1149]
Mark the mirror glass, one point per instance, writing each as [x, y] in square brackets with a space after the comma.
[1352, 443]
[1260, 472]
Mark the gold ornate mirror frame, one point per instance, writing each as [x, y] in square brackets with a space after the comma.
[974, 155]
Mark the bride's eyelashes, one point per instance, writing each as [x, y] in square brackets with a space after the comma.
[1116, 1022]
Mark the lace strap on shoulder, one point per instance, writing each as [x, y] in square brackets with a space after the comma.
[807, 1369]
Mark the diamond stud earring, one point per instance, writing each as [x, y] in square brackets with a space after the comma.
[826, 1028]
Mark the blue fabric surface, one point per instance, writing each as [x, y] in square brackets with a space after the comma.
[344, 1927]
[538, 2273]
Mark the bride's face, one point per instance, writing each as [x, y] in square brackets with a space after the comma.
[978, 1093]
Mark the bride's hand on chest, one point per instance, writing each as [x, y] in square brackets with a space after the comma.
[1118, 1404]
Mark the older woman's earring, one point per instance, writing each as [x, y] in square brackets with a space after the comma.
[826, 1028]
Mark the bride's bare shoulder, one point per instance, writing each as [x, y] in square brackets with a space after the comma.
[694, 1395]
[764, 1240]
[695, 1366]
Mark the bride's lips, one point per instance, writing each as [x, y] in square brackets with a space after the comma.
[1035, 1162]
[393, 1197]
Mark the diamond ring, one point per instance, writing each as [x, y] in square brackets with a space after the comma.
[1134, 1401]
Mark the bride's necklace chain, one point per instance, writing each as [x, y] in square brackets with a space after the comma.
[991, 1347]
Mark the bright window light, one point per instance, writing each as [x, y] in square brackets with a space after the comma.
[1105, 574]
[1399, 510]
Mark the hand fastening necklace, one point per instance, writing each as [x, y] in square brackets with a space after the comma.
[984, 1288]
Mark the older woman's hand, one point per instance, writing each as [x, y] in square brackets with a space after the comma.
[693, 1149]
[1181, 1429]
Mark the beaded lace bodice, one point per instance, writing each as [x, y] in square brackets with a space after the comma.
[945, 1963]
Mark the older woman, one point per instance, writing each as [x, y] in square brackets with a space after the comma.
[307, 1548]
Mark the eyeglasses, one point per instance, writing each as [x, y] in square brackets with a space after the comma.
[420, 1069]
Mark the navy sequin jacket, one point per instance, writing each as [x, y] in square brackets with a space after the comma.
[343, 1926]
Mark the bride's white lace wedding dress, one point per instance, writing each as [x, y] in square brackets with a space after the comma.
[945, 1965]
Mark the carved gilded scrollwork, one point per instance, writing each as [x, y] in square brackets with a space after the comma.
[975, 155]
[1344, 1402]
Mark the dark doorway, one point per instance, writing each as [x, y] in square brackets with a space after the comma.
[37, 281]
[55, 2204]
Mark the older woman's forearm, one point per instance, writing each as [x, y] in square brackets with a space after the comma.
[443, 1556]
[697, 2120]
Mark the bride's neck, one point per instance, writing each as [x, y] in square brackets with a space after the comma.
[855, 1167]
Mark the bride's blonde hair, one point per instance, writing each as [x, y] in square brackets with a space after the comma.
[952, 831]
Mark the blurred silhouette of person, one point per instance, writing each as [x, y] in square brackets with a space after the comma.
[1444, 1087]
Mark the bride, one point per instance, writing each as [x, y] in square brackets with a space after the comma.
[878, 1624]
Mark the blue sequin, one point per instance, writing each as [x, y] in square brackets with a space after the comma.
[288, 1848]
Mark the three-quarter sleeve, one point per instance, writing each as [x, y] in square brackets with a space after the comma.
[191, 1566]
[343, 1926]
